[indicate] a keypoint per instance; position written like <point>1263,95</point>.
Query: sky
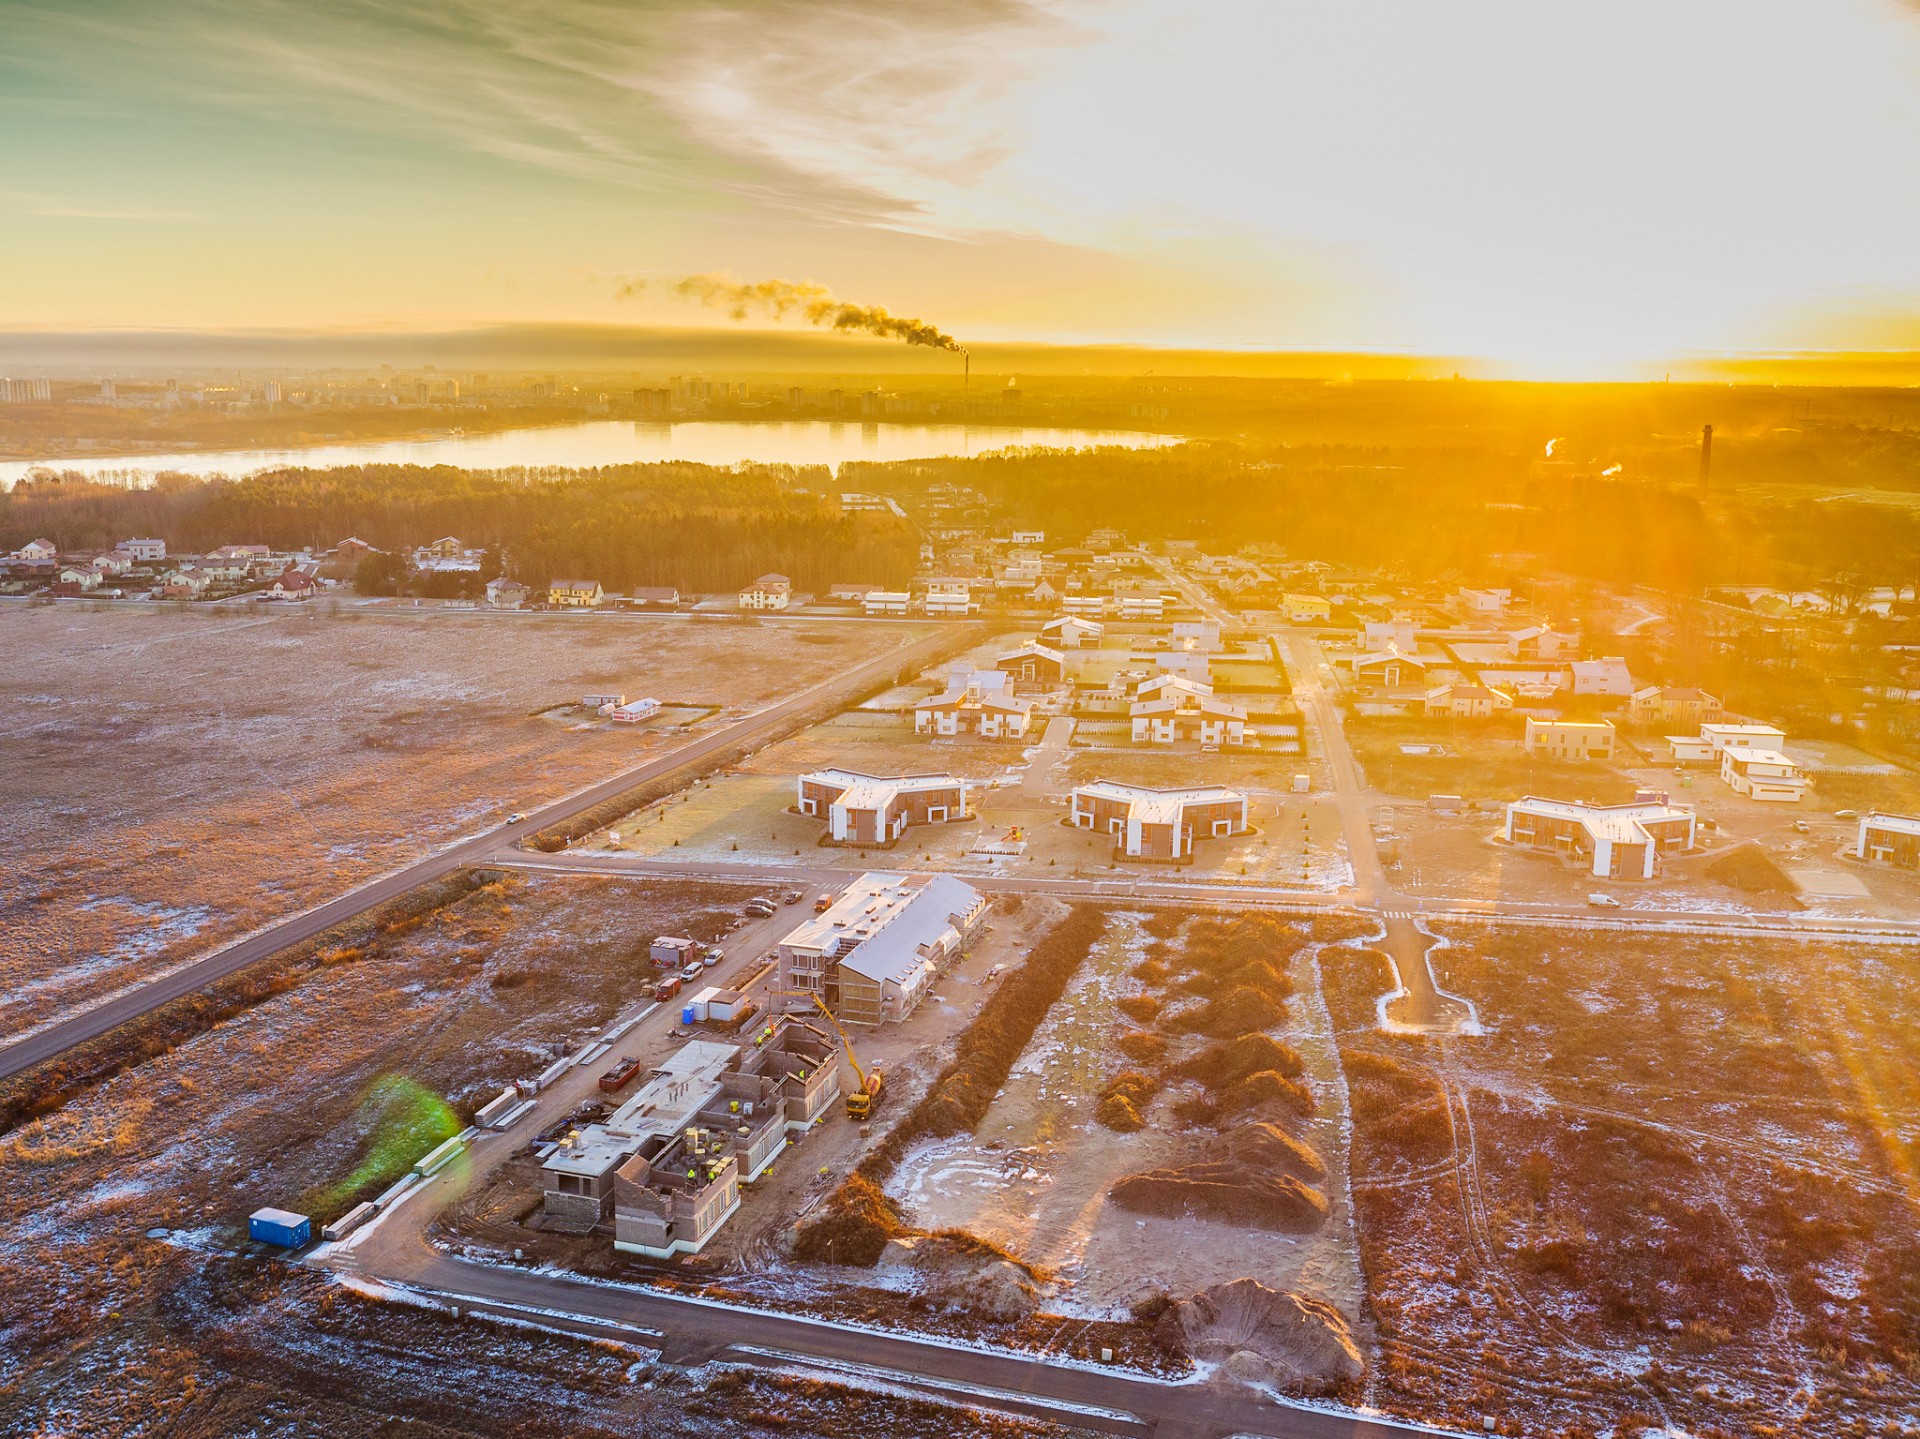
<point>1564,187</point>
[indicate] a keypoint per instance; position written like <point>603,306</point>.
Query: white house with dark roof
<point>1071,632</point>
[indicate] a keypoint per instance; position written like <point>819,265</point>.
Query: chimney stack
<point>1706,457</point>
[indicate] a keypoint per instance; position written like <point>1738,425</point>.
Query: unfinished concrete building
<point>760,1092</point>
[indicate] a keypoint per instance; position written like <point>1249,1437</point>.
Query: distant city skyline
<point>1569,192</point>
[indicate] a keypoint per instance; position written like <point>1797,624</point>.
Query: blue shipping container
<point>280,1226</point>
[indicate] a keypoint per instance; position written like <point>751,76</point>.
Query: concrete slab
<point>1829,883</point>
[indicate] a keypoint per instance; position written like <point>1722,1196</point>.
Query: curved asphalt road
<point>91,1023</point>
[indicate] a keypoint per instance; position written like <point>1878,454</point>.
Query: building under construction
<point>667,1166</point>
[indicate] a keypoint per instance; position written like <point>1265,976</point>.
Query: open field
<point>312,1096</point>
<point>1481,760</point>
<point>1673,1180</point>
<point>176,779</point>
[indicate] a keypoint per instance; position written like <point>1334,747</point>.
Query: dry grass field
<point>177,778</point>
<point>1672,1185</point>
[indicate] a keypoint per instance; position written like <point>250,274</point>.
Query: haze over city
<point>1035,719</point>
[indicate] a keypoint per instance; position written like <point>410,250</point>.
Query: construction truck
<point>861,1100</point>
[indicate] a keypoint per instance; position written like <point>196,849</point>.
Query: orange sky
<point>1566,189</point>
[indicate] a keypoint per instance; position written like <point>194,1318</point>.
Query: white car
<point>1603,901</point>
<point>516,816</point>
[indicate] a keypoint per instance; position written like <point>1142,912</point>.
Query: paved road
<point>90,1024</point>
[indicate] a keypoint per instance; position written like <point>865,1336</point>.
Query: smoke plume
<point>816,303</point>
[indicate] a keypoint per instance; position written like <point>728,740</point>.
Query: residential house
<point>654,596</point>
<point>293,584</point>
<point>1570,739</point>
<point>505,594</point>
<point>634,711</point>
<point>1541,642</point>
<point>1616,841</point>
<point>185,583</point>
<point>1891,839</point>
<point>145,551</point>
<point>1043,593</point>
<point>575,594</point>
<point>1467,701</point>
<point>1033,663</point>
<point>1673,704</point>
<point>865,809</point>
<point>1070,632</point>
<point>1172,708</point>
<point>1084,606</point>
<point>1139,605</point>
<point>80,578</point>
<point>876,952</point>
<point>1387,669</point>
<point>1158,824</point>
<point>887,602</point>
<point>1480,604</point>
<point>948,597</point>
<point>1306,609</point>
<point>1198,636</point>
<point>1602,677</point>
<point>769,592</point>
<point>1389,635</point>
<point>37,552</point>
<point>977,702</point>
<point>1764,774</point>
<point>245,554</point>
<point>1706,747</point>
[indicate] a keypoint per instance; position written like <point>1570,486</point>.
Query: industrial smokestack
<point>1706,457</point>
<point>816,304</point>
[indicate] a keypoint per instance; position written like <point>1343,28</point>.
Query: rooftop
<point>881,920</point>
<point>1159,806</point>
<point>1619,822</point>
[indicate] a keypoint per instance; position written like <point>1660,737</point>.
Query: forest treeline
<point>1426,511</point>
<point>694,527</point>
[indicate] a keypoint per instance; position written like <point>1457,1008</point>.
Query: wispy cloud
<point>60,207</point>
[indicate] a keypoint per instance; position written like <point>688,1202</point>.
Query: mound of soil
<point>1121,1102</point>
<point>1750,869</point>
<point>856,1227</point>
<point>1230,1191</point>
<point>1270,1148</point>
<point>1265,1335</point>
<point>1142,1046</point>
<point>1140,1008</point>
<point>966,1277</point>
<point>1242,1010</point>
<point>1268,1087</point>
<point>1231,1061</point>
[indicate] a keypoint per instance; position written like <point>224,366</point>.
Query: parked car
<point>793,896</point>
<point>667,988</point>
<point>760,908</point>
<point>690,973</point>
<point>1800,826</point>
<point>1846,814</point>
<point>713,957</point>
<point>1603,901</point>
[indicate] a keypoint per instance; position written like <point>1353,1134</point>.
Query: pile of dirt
<point>968,1275</point>
<point>856,1226</point>
<point>1267,1089</point>
<point>1229,1191</point>
<point>1232,1060</point>
<point>1265,1336</point>
<point>1127,1094</point>
<point>1268,1147</point>
<point>1750,869</point>
<point>1142,1046</point>
<point>1241,1010</point>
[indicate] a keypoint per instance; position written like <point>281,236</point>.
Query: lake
<point>619,442</point>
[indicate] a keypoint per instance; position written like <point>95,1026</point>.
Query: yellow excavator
<point>860,1101</point>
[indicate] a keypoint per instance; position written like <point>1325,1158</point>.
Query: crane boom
<point>859,1103</point>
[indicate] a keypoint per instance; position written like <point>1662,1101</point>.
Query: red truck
<point>667,988</point>
<point>623,1070</point>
